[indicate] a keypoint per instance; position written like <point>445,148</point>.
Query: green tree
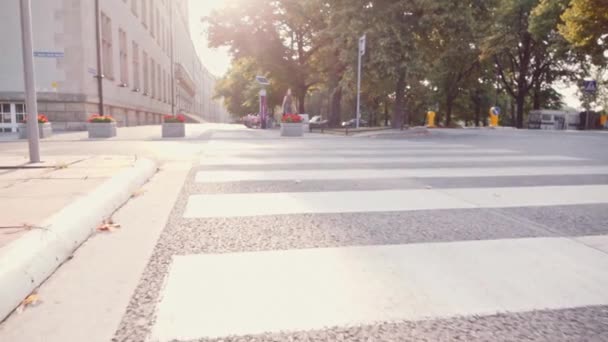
<point>585,26</point>
<point>280,35</point>
<point>240,92</point>
<point>454,37</point>
<point>524,45</point>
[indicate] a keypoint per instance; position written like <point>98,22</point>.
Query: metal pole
<point>99,57</point>
<point>172,58</point>
<point>359,88</point>
<point>30,81</point>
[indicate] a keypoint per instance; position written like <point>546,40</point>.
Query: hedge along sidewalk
<point>50,209</point>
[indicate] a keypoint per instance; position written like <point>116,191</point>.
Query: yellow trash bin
<point>430,119</point>
<point>494,113</point>
<point>603,120</point>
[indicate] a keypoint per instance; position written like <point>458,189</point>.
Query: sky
<point>218,60</point>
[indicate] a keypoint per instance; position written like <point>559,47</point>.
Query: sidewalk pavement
<point>143,133</point>
<point>32,193</point>
<point>50,208</point>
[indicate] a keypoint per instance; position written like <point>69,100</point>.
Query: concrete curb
<point>30,260</point>
<point>412,131</point>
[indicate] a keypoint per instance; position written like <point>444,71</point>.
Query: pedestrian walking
<point>288,103</point>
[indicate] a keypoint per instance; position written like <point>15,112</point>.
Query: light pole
<point>263,82</point>
<point>360,53</point>
<point>30,81</point>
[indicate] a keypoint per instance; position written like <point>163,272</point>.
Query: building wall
<point>67,86</point>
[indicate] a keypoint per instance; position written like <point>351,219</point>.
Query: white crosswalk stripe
<point>255,292</point>
<point>215,176</point>
<point>378,160</point>
<point>392,283</point>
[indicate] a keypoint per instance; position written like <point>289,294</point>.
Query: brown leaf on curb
<point>138,193</point>
<point>108,226</point>
<point>29,301</point>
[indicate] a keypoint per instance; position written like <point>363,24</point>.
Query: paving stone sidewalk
<point>31,193</point>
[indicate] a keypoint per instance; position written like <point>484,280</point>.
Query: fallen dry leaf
<point>138,193</point>
<point>31,300</point>
<point>108,226</point>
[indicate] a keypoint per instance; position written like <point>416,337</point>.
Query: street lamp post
<point>361,52</point>
<point>30,81</point>
<point>263,83</point>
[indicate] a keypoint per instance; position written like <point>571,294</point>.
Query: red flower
<point>41,119</point>
<point>96,118</point>
<point>179,118</point>
<point>291,118</point>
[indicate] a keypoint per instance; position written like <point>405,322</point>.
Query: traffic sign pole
<point>589,87</point>
<point>30,81</point>
<point>361,52</point>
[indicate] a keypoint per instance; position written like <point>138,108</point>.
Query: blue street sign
<point>48,54</point>
<point>590,86</point>
<point>495,110</point>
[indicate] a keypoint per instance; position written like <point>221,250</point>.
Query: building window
<point>134,7</point>
<point>166,87</point>
<point>158,31</point>
<point>152,22</point>
<point>146,85</point>
<point>124,57</point>
<point>163,44</point>
<point>106,46</point>
<point>144,12</point>
<point>153,78</point>
<point>136,84</point>
<point>20,112</point>
<point>159,84</point>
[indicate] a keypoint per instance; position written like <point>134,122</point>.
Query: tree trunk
<point>521,99</point>
<point>399,99</point>
<point>301,99</point>
<point>477,112</point>
<point>449,103</point>
<point>336,107</point>
<point>537,96</point>
<point>386,112</point>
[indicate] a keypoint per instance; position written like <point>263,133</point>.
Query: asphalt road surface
<point>468,235</point>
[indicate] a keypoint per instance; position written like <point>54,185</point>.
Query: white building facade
<point>139,65</point>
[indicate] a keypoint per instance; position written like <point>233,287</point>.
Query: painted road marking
<point>216,295</point>
<point>229,161</point>
<point>457,172</point>
<point>261,204</point>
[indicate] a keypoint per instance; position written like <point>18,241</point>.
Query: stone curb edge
<point>30,260</point>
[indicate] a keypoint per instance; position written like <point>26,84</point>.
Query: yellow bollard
<point>494,113</point>
<point>493,120</point>
<point>430,119</point>
<point>603,120</point>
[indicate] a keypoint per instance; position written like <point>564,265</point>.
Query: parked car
<point>315,119</point>
<point>317,122</point>
<point>353,123</point>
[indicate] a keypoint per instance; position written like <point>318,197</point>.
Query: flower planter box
<point>292,129</point>
<point>101,129</point>
<point>174,129</point>
<point>45,130</point>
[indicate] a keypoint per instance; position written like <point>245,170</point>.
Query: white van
<point>553,119</point>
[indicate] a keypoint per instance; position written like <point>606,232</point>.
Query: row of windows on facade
<point>156,82</point>
<point>151,19</point>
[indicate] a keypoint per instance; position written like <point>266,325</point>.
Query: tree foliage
<point>455,57</point>
<point>585,26</point>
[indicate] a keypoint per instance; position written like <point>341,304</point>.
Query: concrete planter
<point>292,129</point>
<point>174,129</point>
<point>101,129</point>
<point>45,130</point>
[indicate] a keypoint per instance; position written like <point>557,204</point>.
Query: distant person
<point>288,103</point>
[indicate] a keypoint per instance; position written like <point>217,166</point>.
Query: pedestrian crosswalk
<point>322,281</point>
